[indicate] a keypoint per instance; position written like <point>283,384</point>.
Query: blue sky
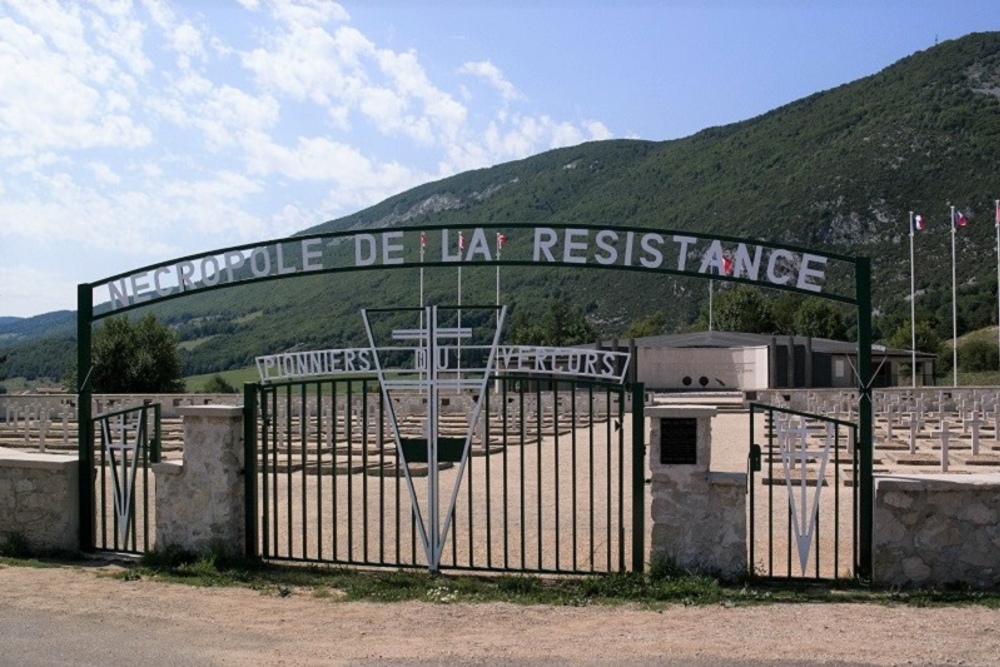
<point>136,132</point>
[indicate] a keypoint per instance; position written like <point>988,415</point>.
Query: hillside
<point>839,170</point>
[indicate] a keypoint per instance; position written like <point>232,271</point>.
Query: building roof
<point>730,339</point>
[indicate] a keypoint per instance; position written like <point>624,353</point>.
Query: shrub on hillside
<point>978,355</point>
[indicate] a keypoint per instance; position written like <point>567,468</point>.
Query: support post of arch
<point>865,418</point>
<point>85,428</point>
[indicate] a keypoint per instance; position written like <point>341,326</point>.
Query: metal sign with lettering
<point>633,249</point>
<point>575,362</point>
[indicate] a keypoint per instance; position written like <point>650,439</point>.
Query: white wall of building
<point>705,368</point>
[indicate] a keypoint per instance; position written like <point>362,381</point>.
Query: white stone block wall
<point>937,529</point>
<point>699,517</point>
<point>200,506</point>
<point>39,500</point>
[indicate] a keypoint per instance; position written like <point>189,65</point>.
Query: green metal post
<point>638,477</point>
<point>865,443</point>
<point>85,428</point>
<point>250,470</point>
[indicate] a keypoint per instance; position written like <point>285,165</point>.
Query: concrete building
<point>720,360</point>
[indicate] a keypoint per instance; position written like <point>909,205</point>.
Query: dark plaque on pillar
<point>678,441</point>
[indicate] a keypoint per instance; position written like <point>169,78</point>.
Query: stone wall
<point>39,500</point>
<point>699,517</point>
<point>200,504</point>
<point>937,529</point>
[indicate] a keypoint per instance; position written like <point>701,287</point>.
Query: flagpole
<point>954,307</point>
<point>458,374</point>
<point>423,242</point>
<point>913,314</point>
<point>496,386</point>
<point>498,270</point>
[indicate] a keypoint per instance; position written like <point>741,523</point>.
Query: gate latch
<point>755,457</point>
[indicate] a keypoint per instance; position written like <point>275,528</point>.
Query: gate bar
<point>638,476</point>
<point>865,443</point>
<point>250,471</point>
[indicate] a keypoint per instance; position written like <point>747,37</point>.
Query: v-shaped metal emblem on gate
<point>123,457</point>
<point>438,356</point>
<point>796,454</point>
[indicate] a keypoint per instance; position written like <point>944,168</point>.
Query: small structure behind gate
<point>804,483</point>
<point>554,482</point>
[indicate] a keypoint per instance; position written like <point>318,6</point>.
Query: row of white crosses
<point>38,421</point>
<point>918,410</point>
<point>35,420</point>
<point>334,417</point>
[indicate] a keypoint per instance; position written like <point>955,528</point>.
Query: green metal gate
<point>123,487</point>
<point>554,481</point>
<point>804,492</point>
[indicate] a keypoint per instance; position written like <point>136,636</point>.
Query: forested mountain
<point>839,170</point>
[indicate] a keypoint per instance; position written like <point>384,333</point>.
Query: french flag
<point>918,223</point>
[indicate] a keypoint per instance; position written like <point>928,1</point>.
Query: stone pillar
<point>200,505</point>
<point>699,516</point>
<point>40,500</point>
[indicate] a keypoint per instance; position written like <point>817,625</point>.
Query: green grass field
<point>237,378</point>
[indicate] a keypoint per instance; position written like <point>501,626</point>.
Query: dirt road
<point>77,616</point>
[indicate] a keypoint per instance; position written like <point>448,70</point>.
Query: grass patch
<point>654,589</point>
<point>195,343</point>
<point>234,377</point>
<point>662,585</point>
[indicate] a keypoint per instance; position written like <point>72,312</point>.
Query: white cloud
<point>84,102</point>
<point>188,43</point>
<point>104,173</point>
<point>161,131</point>
<point>492,74</point>
<point>307,12</point>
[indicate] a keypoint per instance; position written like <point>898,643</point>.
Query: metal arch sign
<point>580,246</point>
<point>656,251</point>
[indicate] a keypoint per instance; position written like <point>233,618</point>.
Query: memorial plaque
<point>679,441</point>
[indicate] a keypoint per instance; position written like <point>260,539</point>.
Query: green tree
<point>135,357</point>
<point>927,338</point>
<point>650,325</point>
<point>3,360</point>
<point>525,330</point>
<point>744,309</point>
<point>820,319</point>
<point>784,308</point>
<point>560,326</point>
<point>218,385</point>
